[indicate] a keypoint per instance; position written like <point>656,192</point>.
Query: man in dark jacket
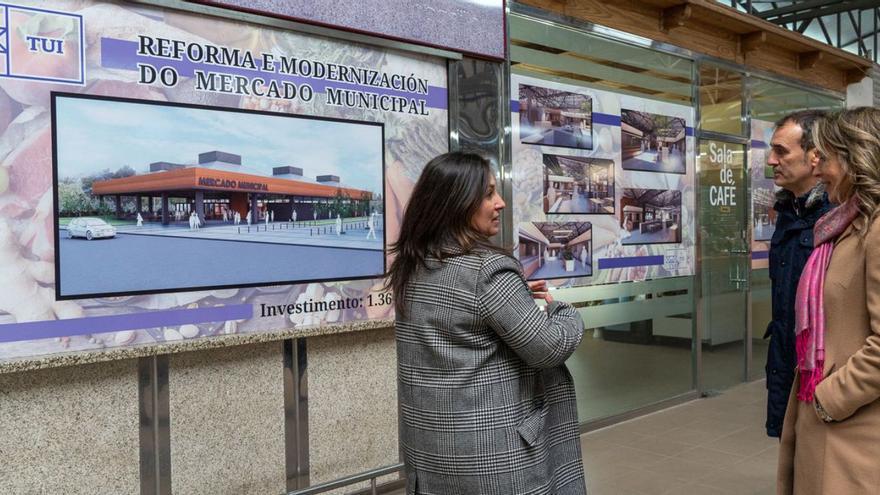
<point>799,204</point>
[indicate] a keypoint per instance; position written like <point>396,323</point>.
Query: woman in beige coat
<point>831,434</point>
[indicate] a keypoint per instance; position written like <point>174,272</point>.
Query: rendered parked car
<point>90,228</point>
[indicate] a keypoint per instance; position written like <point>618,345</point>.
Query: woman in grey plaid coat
<point>487,406</point>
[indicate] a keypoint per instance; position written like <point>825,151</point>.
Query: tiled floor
<point>709,446</point>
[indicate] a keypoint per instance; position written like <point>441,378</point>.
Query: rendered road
<point>129,263</point>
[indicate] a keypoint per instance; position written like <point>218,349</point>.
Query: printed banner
<point>602,184</point>
<point>168,176</point>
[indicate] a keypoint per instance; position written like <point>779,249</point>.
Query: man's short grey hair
<point>805,119</point>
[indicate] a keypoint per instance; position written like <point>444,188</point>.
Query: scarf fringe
<point>809,379</point>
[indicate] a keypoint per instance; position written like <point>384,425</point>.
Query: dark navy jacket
<point>790,247</point>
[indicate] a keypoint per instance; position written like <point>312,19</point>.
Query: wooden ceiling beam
<point>853,76</point>
<point>751,42</point>
<point>808,60</point>
<point>708,27</point>
<point>675,17</point>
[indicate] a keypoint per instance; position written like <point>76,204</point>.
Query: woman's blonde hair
<point>853,136</point>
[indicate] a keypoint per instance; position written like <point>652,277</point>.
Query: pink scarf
<point>809,303</point>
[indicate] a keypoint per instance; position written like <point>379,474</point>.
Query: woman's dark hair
<point>437,219</point>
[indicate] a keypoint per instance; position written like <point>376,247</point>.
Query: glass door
<point>725,262</point>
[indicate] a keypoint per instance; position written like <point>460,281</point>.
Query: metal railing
<point>350,480</point>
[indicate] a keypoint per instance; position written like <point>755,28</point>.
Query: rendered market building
<point>219,184</point>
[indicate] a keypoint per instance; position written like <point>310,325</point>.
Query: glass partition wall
<point>639,350</point>
<point>769,101</point>
<point>723,236</point>
<point>638,347</point>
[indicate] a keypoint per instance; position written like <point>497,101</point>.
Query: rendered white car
<point>90,228</point>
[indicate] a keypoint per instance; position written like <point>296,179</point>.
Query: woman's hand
<point>539,290</point>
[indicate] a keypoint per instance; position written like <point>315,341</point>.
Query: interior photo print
<point>763,214</point>
<point>550,250</point>
<point>574,184</point>
<point>156,197</point>
<point>552,117</point>
<point>651,216</point>
<point>652,143</point>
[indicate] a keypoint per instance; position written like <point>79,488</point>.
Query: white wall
<point>861,94</point>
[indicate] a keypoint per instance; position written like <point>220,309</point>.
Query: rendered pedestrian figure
<point>248,217</point>
<point>272,216</point>
<point>338,224</point>
<point>198,220</point>
<point>293,216</point>
<point>140,220</point>
<point>584,256</point>
<point>236,218</point>
<point>372,226</point>
<point>192,222</point>
<point>267,218</point>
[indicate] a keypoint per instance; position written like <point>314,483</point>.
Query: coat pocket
<point>829,368</point>
<point>532,427</point>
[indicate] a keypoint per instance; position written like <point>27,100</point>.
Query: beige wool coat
<point>841,458</point>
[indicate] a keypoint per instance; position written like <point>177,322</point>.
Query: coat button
<point>773,371</point>
<point>782,263</point>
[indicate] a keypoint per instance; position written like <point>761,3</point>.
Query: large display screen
<point>160,197</point>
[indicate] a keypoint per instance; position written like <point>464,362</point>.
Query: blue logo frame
<point>7,53</point>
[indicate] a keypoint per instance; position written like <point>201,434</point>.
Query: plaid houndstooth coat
<point>487,406</point>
